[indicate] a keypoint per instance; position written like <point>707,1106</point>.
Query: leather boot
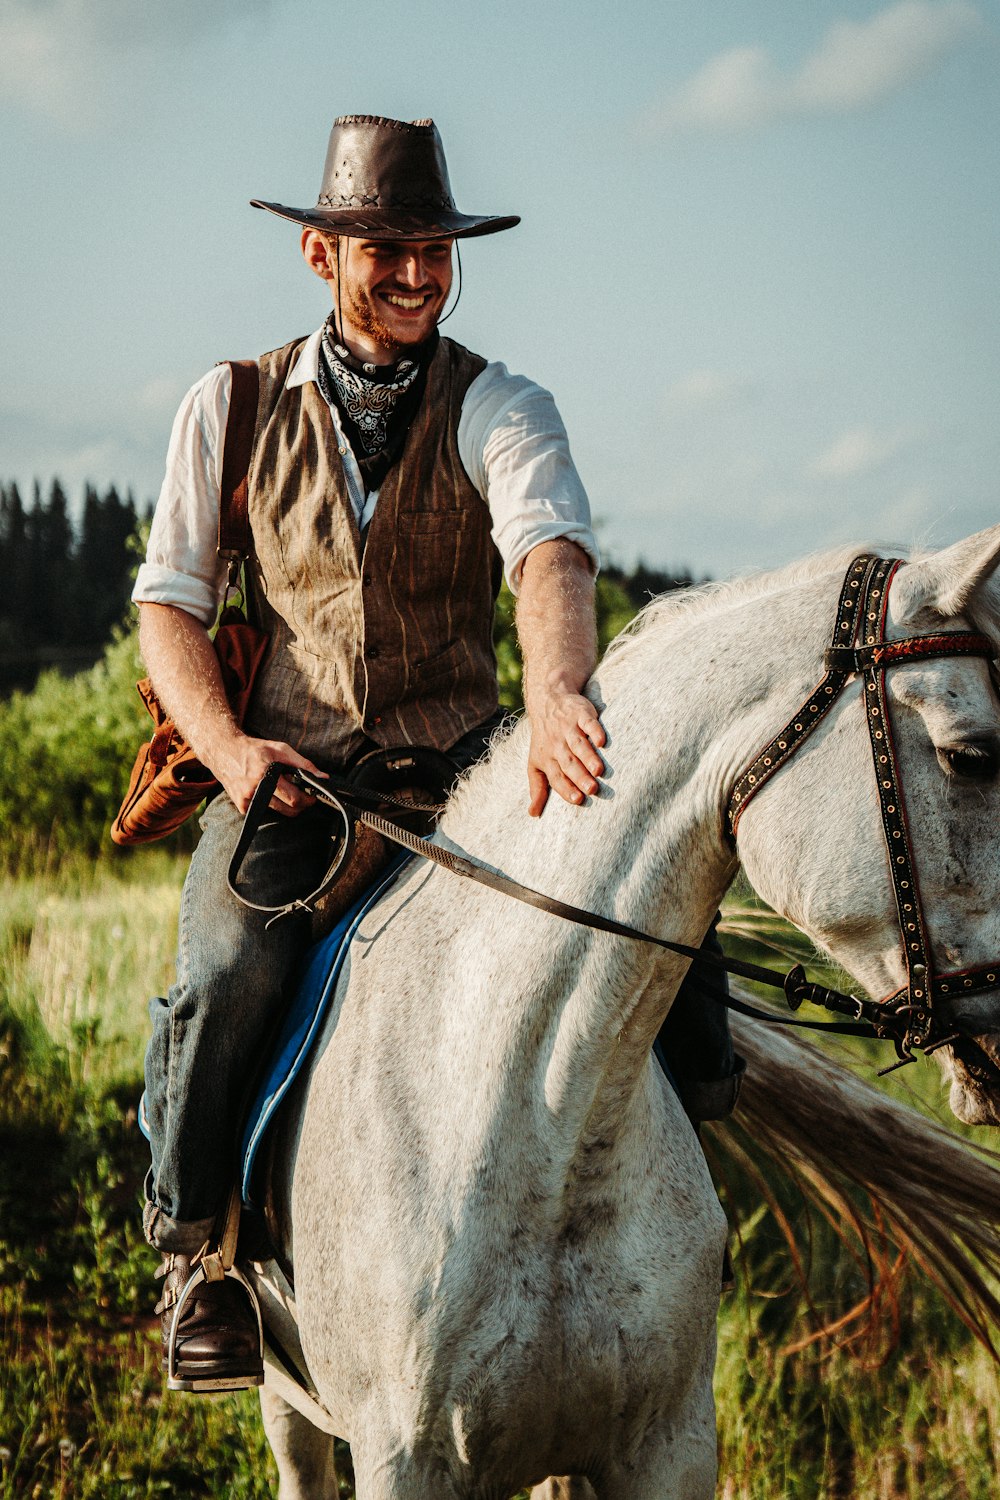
<point>217,1347</point>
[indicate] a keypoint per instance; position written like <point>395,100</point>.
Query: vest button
<point>372,653</point>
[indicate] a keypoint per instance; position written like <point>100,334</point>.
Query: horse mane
<point>714,596</point>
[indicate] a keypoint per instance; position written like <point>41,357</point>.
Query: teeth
<point>405,301</point>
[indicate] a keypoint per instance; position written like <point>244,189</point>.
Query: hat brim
<point>392,223</point>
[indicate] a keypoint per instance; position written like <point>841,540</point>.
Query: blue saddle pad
<point>302,1022</point>
<point>320,972</point>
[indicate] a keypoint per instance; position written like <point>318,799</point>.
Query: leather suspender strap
<point>234,512</point>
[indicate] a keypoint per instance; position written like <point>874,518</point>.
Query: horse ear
<point>947,582</point>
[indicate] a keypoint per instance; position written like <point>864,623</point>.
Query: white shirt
<point>511,441</point>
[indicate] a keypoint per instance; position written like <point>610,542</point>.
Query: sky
<point>757,263</point>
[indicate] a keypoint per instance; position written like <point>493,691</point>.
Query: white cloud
<point>857,64</point>
<point>860,450</point>
<point>56,55</point>
<point>161,395</point>
<point>704,390</point>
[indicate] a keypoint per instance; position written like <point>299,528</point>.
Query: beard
<point>366,319</point>
<point>364,315</point>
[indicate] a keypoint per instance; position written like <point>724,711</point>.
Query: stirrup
<point>216,1266</point>
<point>177,1382</point>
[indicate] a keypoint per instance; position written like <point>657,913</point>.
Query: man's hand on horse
<point>565,734</point>
<point>245,763</point>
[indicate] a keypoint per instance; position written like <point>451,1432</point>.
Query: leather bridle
<point>859,648</point>
<point>907,1017</point>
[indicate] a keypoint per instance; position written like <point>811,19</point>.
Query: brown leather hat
<point>387,180</point>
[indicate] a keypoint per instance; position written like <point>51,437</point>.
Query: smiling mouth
<point>409,304</point>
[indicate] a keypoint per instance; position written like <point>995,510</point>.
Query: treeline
<point>65,583</point>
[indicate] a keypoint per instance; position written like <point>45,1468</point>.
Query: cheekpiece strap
<point>812,712</point>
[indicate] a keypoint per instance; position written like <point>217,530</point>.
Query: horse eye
<point>973,761</point>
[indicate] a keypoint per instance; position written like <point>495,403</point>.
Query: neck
<point>367,350</point>
<point>371,351</point>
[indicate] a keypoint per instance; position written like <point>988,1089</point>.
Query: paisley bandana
<point>376,403</point>
<point>368,395</point>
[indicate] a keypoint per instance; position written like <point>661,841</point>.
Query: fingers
<point>590,724</point>
<point>290,757</point>
<point>568,785</point>
<point>564,755</point>
<point>538,791</point>
<point>581,753</point>
<point>571,770</point>
<point>290,800</point>
<point>254,759</point>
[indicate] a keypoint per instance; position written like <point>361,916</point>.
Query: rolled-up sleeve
<point>514,448</point>
<point>182,566</point>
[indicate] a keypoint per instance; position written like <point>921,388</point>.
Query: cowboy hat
<point>387,180</point>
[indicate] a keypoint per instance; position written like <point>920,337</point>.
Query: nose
<point>412,270</point>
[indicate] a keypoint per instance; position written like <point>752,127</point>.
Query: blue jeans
<point>234,979</point>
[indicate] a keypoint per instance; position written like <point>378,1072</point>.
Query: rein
<point>353,804</point>
<point>906,1017</point>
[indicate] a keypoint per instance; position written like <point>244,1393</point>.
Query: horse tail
<point>894,1185</point>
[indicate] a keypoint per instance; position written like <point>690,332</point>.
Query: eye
<point>974,760</point>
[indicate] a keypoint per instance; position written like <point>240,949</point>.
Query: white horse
<point>506,1242</point>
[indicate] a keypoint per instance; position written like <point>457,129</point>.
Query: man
<point>393,471</point>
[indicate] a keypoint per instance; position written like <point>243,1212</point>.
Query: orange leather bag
<point>168,781</point>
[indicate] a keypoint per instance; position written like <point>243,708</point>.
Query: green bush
<point>66,749</point>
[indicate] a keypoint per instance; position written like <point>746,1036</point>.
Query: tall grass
<point>913,1412</point>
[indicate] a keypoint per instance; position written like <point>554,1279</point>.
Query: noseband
<point>859,648</point>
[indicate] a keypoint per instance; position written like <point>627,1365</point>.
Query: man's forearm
<point>556,623</point>
<point>558,634</point>
<point>184,670</point>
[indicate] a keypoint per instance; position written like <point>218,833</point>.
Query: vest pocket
<point>440,663</point>
<point>433,523</point>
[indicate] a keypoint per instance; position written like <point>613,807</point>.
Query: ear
<point>947,583</point>
<point>318,254</point>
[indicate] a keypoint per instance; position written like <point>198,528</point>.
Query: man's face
<point>394,292</point>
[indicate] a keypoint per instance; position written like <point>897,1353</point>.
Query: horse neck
<point>685,705</point>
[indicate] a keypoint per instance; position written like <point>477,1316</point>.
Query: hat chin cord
<point>340,311</point>
<point>458,295</point>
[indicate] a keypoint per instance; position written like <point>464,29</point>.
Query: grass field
<point>913,1412</point>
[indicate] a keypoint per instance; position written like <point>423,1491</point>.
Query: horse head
<point>944,718</point>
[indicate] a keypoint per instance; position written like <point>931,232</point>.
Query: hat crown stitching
<point>407,125</point>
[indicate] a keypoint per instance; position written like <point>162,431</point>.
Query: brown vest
<point>391,642</point>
